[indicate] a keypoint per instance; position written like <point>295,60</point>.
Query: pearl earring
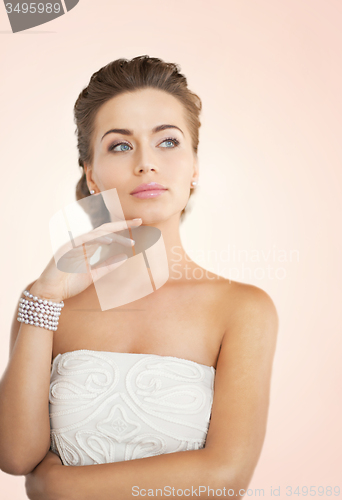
<point>92,191</point>
<point>194,183</point>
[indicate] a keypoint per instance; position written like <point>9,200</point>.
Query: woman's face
<point>138,153</point>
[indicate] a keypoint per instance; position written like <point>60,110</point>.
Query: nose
<point>144,168</point>
<point>145,161</point>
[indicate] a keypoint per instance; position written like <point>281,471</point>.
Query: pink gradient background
<point>269,75</point>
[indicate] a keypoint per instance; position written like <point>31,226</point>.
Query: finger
<point>104,239</point>
<point>105,229</point>
<point>110,238</point>
<point>128,242</point>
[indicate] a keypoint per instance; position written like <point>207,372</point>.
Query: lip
<point>151,186</point>
<point>149,193</point>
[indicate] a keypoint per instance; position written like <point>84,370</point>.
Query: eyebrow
<point>125,131</point>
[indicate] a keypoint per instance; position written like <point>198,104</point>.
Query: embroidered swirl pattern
<point>109,407</point>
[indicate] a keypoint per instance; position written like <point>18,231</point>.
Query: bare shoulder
<point>15,323</point>
<point>239,304</point>
<point>248,297</point>
<point>246,306</point>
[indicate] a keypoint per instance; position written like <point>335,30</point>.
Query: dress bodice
<point>110,407</point>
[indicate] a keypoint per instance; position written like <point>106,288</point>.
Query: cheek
<point>109,175</point>
<point>179,167</point>
<point>180,183</point>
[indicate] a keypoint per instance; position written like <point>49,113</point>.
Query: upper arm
<point>16,324</point>
<point>242,385</point>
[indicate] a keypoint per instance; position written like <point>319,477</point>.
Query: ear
<point>195,174</point>
<point>88,172</point>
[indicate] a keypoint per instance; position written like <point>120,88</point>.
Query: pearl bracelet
<point>39,312</point>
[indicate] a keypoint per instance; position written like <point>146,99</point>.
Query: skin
<point>214,321</point>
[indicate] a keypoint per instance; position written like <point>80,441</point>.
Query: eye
<point>113,146</point>
<point>170,140</point>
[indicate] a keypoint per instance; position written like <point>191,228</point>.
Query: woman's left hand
<point>38,483</point>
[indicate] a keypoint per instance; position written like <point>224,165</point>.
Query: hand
<point>38,481</point>
<point>58,285</point>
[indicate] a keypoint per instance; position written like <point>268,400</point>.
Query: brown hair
<point>121,76</point>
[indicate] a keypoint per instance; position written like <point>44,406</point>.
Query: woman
<point>137,125</point>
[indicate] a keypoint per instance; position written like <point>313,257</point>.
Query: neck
<point>178,260</point>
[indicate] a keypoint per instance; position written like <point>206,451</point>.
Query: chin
<point>152,211</point>
<point>148,216</point>
<point>148,219</point>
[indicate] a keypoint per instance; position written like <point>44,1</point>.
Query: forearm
<point>185,470</point>
<point>24,401</point>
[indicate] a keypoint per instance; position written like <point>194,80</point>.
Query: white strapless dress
<point>110,407</point>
